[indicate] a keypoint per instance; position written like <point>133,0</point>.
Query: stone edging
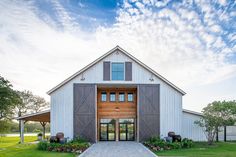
<point>148,150</point>
<point>81,155</point>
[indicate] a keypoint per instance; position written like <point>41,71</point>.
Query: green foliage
<point>187,143</point>
<point>78,140</point>
<point>157,144</point>
<point>8,99</point>
<point>215,115</point>
<point>7,126</point>
<point>36,130</point>
<point>77,145</point>
<point>4,126</point>
<point>43,145</point>
<point>40,134</point>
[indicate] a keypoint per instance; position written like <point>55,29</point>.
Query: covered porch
<point>43,117</point>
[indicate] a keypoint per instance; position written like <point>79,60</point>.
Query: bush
<point>43,145</point>
<point>157,144</point>
<point>77,145</point>
<point>187,143</point>
<point>40,134</point>
<point>78,140</point>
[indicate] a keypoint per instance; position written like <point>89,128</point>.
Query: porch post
<point>44,130</point>
<point>22,124</point>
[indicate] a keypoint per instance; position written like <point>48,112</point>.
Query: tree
<point>4,126</point>
<point>24,106</point>
<point>8,99</point>
<point>39,103</point>
<point>215,115</point>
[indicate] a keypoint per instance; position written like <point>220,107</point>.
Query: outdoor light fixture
<point>117,109</point>
<point>151,78</point>
<point>82,77</point>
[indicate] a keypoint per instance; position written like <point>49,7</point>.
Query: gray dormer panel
<point>106,71</point>
<point>128,71</point>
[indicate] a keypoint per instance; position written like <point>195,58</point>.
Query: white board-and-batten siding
<point>191,130</point>
<point>62,98</point>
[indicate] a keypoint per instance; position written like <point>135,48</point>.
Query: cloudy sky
<point>191,43</point>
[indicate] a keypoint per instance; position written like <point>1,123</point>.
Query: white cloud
<point>36,55</point>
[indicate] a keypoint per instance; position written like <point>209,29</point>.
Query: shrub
<point>43,145</point>
<point>40,134</point>
<point>78,140</point>
<point>76,146</point>
<point>187,143</point>
<point>157,144</point>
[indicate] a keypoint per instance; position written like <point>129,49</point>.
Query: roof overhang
<point>107,54</point>
<point>192,112</point>
<point>43,116</point>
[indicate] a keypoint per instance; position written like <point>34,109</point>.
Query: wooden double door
<point>117,129</point>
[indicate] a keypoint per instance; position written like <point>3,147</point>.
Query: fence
<point>227,133</point>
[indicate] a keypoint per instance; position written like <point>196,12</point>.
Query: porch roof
<point>43,116</point>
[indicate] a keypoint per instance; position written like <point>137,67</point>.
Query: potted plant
<point>40,136</point>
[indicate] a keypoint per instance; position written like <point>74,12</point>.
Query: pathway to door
<point>118,149</point>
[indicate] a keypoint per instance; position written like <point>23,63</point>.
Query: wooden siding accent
<point>106,71</point>
<point>84,111</point>
<point>149,111</point>
<point>128,71</point>
<point>116,109</point>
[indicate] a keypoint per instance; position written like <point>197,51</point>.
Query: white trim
<point>192,112</point>
<point>107,54</point>
<point>96,114</point>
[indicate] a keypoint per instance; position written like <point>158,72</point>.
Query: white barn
<point>117,98</point>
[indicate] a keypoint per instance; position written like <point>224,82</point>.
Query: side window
<point>104,96</point>
<point>130,97</point>
<point>121,97</point>
<point>112,96</point>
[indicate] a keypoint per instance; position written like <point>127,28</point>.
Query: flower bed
<point>75,146</point>
<point>157,144</point>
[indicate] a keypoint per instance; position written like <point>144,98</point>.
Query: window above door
<point>117,71</point>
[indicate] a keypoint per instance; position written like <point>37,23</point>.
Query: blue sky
<point>190,42</point>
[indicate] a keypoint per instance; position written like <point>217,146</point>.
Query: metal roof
<point>193,112</point>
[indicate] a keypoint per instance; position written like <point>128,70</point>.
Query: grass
<point>202,149</point>
<point>9,147</point>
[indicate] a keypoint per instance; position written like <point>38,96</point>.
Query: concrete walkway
<point>117,149</point>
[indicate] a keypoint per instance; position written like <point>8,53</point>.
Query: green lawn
<point>219,149</point>
<point>9,147</point>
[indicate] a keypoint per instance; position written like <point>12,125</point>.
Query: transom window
<point>117,72</point>
<point>113,96</point>
<point>104,96</point>
<point>130,97</point>
<point>122,97</point>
